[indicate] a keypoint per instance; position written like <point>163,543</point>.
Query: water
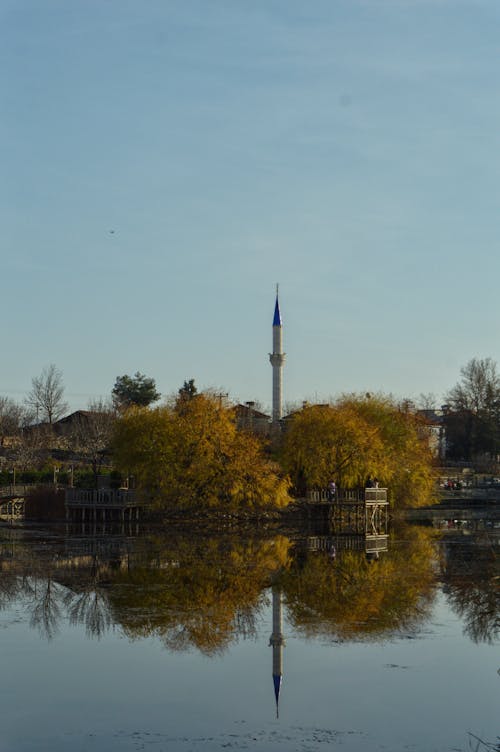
<point>161,641</point>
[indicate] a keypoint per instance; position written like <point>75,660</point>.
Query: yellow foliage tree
<point>325,442</point>
<point>190,454</point>
<point>408,471</point>
<point>357,437</point>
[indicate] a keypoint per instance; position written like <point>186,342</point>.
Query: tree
<point>190,455</point>
<point>11,418</point>
<point>33,448</point>
<point>188,390</point>
<point>91,433</point>
<point>472,419</point>
<point>479,388</point>
<point>47,395</point>
<point>138,390</point>
<point>408,465</point>
<point>357,437</point>
<point>327,441</point>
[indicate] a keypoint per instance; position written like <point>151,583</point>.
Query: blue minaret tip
<point>277,314</point>
<point>277,679</point>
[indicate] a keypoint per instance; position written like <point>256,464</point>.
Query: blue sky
<point>166,162</point>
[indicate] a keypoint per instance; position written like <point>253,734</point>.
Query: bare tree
<point>32,449</point>
<point>473,416</point>
<point>91,433</point>
<point>11,418</point>
<point>479,388</point>
<point>47,395</point>
<point>427,401</point>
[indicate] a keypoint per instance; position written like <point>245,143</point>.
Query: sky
<point>166,162</point>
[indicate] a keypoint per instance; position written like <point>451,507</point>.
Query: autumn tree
<point>407,469</point>
<point>46,397</point>
<point>190,454</point>
<point>137,390</point>
<point>357,437</point>
<point>325,442</point>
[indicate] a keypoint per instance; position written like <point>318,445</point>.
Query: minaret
<point>277,642</point>
<point>277,358</point>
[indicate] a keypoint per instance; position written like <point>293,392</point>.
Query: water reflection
<point>471,576</point>
<point>277,642</point>
<point>208,591</point>
<point>342,594</point>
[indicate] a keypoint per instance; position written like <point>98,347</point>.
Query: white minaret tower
<point>277,358</point>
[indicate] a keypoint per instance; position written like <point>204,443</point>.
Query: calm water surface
<point>162,641</point>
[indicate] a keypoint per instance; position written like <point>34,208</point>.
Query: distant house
<point>433,425</point>
<point>67,425</point>
<point>248,418</point>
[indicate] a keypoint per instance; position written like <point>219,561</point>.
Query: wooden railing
<point>18,491</point>
<point>375,494</point>
<point>355,495</point>
<point>121,497</point>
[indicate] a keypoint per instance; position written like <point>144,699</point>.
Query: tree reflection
<point>203,593</point>
<point>53,587</point>
<point>207,591</point>
<point>30,579</point>
<point>187,591</point>
<point>471,574</point>
<point>46,606</point>
<point>353,596</point>
<point>89,606</point>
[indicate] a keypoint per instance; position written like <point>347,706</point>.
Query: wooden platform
<point>356,511</point>
<point>105,505</point>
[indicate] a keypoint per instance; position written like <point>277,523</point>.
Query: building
<point>248,418</point>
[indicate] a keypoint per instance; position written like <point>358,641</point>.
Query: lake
<point>281,640</point>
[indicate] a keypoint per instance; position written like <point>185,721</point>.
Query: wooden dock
<point>102,505</point>
<point>363,511</point>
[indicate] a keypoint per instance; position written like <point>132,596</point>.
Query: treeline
<point>39,445</point>
<point>205,591</point>
<point>190,453</point>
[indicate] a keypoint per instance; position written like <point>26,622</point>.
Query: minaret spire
<point>277,358</point>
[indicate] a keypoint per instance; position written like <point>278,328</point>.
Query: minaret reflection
<point>277,642</point>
